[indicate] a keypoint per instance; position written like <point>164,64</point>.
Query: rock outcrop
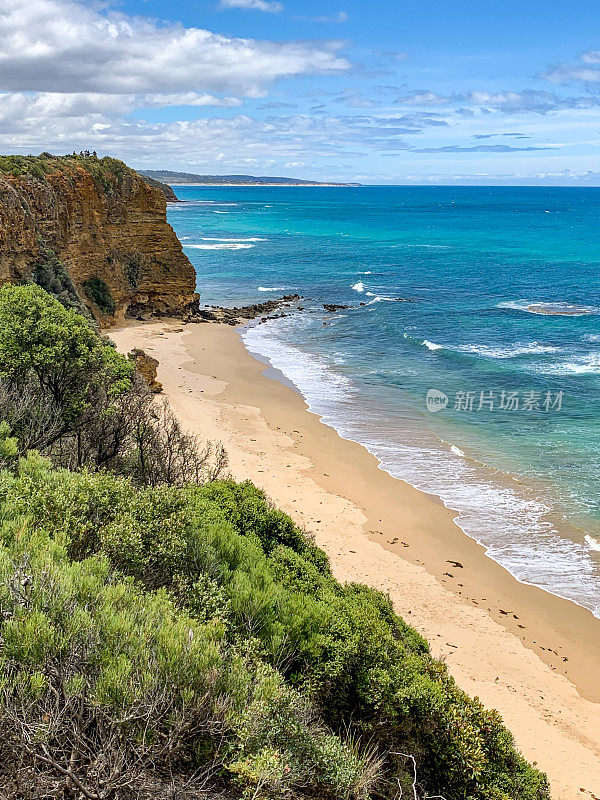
<point>148,369</point>
<point>167,190</point>
<point>99,224</point>
<point>240,314</point>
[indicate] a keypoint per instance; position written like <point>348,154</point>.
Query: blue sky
<point>380,92</point>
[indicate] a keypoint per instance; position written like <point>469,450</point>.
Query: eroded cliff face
<point>106,226</point>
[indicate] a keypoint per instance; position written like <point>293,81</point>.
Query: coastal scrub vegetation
<point>166,633</point>
<point>66,392</point>
<point>106,171</point>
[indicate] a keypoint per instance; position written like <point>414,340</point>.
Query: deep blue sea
<point>498,320</point>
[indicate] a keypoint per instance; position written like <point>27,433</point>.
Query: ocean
<point>468,360</point>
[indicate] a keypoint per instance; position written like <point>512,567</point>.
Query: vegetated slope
<point>168,192</point>
<point>93,232</point>
<point>161,640</point>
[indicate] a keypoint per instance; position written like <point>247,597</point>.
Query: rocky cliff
<point>93,231</point>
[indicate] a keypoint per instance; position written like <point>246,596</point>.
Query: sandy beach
<point>529,654</point>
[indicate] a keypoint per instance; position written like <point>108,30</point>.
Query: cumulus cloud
<point>40,106</point>
<point>270,6</point>
<point>25,128</point>
<point>64,46</point>
<point>584,71</point>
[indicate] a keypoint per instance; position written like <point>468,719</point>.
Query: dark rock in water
<point>403,300</point>
<point>239,315</point>
<point>334,307</point>
<point>362,304</point>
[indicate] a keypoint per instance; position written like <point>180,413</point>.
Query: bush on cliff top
<point>107,171</point>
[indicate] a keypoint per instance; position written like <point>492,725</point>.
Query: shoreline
<point>520,649</point>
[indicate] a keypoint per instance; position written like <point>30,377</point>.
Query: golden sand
<point>533,656</point>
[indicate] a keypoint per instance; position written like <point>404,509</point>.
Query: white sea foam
<point>271,288</point>
<point>510,351</point>
<point>221,246</point>
<point>489,351</point>
<point>214,211</point>
<point>368,272</point>
<point>359,287</point>
<point>310,373</point>
<point>456,450</point>
<point>511,522</point>
<point>578,365</point>
<point>207,203</point>
<point>591,337</point>
<point>592,542</point>
<point>378,298</point>
<point>249,239</point>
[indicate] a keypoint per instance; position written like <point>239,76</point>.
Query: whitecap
<point>510,351</point>
<point>432,345</point>
<point>220,246</point>
<point>580,365</point>
<point>216,239</point>
<point>271,288</point>
<point>378,298</point>
<point>591,337</point>
<point>359,287</point>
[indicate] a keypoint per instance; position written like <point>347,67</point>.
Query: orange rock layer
<point>107,227</point>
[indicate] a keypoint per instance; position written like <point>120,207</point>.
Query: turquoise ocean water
<point>503,321</point>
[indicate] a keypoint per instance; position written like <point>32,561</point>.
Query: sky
<point>374,91</point>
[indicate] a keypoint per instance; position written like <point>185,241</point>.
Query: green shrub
<point>148,696</point>
<point>52,276</point>
<point>67,392</point>
<point>98,292</point>
<point>225,557</point>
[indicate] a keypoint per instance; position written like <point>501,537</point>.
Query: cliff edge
<point>94,232</point>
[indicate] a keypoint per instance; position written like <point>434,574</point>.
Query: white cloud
<point>527,101</point>
<point>581,72</point>
<point>183,99</point>
<point>270,6</point>
<point>64,46</point>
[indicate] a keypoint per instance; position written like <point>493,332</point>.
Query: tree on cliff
<point>68,393</point>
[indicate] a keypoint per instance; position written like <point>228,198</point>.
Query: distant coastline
<point>190,179</point>
<point>271,185</point>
